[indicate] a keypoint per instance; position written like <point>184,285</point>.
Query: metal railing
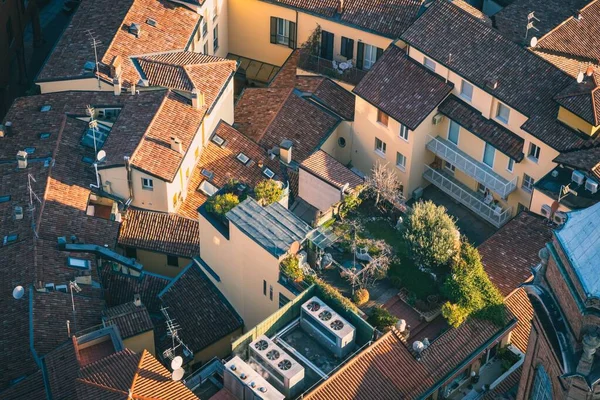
<point>478,171</point>
<point>494,215</point>
<point>322,66</point>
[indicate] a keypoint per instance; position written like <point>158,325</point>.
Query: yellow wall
<point>539,199</point>
<point>575,122</point>
<point>140,342</point>
<point>331,145</point>
<point>74,84</point>
<point>157,263</point>
<point>221,348</point>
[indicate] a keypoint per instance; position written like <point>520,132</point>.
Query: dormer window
<point>243,158</point>
<point>208,174</point>
<point>219,141</point>
<point>268,173</point>
<point>429,63</point>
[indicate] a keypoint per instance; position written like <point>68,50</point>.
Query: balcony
<point>493,214</point>
<point>483,174</point>
<point>322,66</point>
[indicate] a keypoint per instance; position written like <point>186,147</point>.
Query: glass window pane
<point>453,132</point>
<point>466,90</point>
<point>488,155</point>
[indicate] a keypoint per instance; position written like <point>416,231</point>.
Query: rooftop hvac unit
<point>578,177</point>
<point>281,370</point>
<point>560,217</point>
<point>546,210</point>
<point>591,185</point>
<point>246,384</point>
<point>330,329</point>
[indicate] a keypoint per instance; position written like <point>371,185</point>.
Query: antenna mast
<point>32,196</point>
<point>93,124</point>
<point>95,43</point>
<point>173,332</point>
<point>530,18</point>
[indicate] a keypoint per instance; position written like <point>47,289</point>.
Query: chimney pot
<point>590,70</point>
<point>22,159</point>
<point>285,151</point>
<point>137,300</point>
<point>117,86</point>
<point>176,144</point>
<point>133,89</point>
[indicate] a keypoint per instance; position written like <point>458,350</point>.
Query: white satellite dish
<point>176,363</point>
<point>533,42</point>
<point>101,156</point>
<point>18,292</point>
<point>580,77</point>
<point>177,374</point>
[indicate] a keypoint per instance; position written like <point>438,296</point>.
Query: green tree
<point>221,204</point>
<point>431,236</point>
<point>268,192</point>
<point>350,203</point>
<point>381,319</point>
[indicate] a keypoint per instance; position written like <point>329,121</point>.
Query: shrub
<point>350,203</point>
<point>361,296</point>
<point>381,319</point>
<point>291,268</point>
<point>431,236</point>
<point>328,293</point>
<point>507,358</point>
<point>268,192</point>
<point>221,204</point>
<point>470,292</point>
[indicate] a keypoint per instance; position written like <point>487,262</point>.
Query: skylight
<point>87,160</point>
<point>45,135</point>
<point>101,134</point>
<point>78,263</point>
<point>208,174</point>
<point>207,188</point>
<point>218,140</point>
<point>268,173</point>
<point>29,150</point>
<point>243,158</point>
<point>151,22</point>
<point>4,199</point>
<point>10,238</point>
<point>46,108</point>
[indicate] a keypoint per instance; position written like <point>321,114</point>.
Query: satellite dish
<point>18,292</point>
<point>101,156</point>
<point>176,363</point>
<point>580,77</point>
<point>533,42</point>
<point>177,374</point>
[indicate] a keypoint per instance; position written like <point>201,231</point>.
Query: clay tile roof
<point>480,54</point>
<point>268,116</point>
<point>518,303</point>
<point>473,11</point>
<point>402,88</point>
<point>31,387</point>
<point>62,368</point>
<point>509,254</point>
<point>222,161</point>
<point>488,130</point>
<point>330,170</point>
<point>506,389</point>
<point>161,232</point>
<point>588,160</point>
<point>204,314</point>
<point>582,99</point>
<point>109,23</point>
<point>129,318</point>
<point>511,21</point>
<point>186,71</point>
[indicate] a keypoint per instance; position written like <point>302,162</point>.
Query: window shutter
<point>379,53</point>
<point>273,30</point>
<point>343,46</point>
<point>292,43</point>
<point>360,55</point>
<point>349,49</point>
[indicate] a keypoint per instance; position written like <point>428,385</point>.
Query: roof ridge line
<point>154,118</point>
<point>565,21</point>
<point>137,371</point>
<point>98,385</point>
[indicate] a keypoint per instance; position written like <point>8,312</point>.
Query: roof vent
<point>554,173</point>
<point>151,22</point>
<point>135,29</point>
<point>22,159</point>
<point>492,84</point>
<point>46,108</point>
<point>137,300</point>
<point>18,212</point>
<point>591,185</point>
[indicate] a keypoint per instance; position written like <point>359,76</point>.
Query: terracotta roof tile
<point>507,389</point>
<point>161,232</point>
<point>402,88</point>
<point>31,387</point>
<point>509,254</point>
<point>129,318</point>
<point>62,368</point>
<point>582,99</point>
<point>330,170</point>
<point>518,303</point>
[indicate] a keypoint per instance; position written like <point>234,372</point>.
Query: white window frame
<point>244,159</point>
<point>485,147</point>
<point>380,150</point>
<point>403,133</point>
<point>527,183</point>
<point>510,166</point>
<point>402,165</point>
<point>207,188</point>
<point>283,31</point>
<point>79,263</point>
<point>463,94</point>
<point>536,150</point>
<point>268,173</point>
<point>499,117</point>
<point>370,56</point>
<point>429,64</point>
<point>147,184</point>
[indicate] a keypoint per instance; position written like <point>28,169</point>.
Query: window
<point>542,386</point>
<point>78,263</point>
<point>382,117</point>
<point>511,165</point>
<point>130,252</point>
<point>342,142</point>
<point>9,32</point>
<point>347,48</point>
<point>521,207</point>
<point>204,27</point>
<point>401,161</point>
<point>147,184</point>
<point>4,199</point>
<point>265,288</point>
<point>99,135</point>
<point>429,63</point>
<point>205,49</point>
<point>268,173</point>
<point>45,135</point>
<point>215,38</point>
<point>528,182</point>
<point>208,174</point>
<point>449,167</point>
<point>466,91</point>
<point>453,132</point>
<point>283,32</point>
<point>502,113</point>
<point>271,292</point>
<point>243,158</point>
<point>534,152</point>
<point>11,238</point>
<point>218,140</point>
<point>488,155</point>
<point>283,300</point>
<point>380,147</point>
<point>366,55</point>
<point>172,261</point>
<point>327,45</point>
<point>370,56</point>
<point>207,188</point>
<point>403,132</point>
<point>481,188</point>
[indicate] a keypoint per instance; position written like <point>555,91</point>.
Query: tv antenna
<point>173,332</point>
<point>530,18</point>
<point>93,124</point>
<point>95,44</point>
<point>32,196</point>
<point>74,286</point>
<point>565,190</point>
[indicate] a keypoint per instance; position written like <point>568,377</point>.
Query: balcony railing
<point>475,169</point>
<point>495,215</point>
<point>322,66</point>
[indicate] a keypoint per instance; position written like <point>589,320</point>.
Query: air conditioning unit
<point>437,119</point>
<point>560,217</point>
<point>591,185</point>
<point>417,193</point>
<point>546,210</point>
<point>328,327</point>
<point>246,384</point>
<point>578,177</point>
<point>275,365</point>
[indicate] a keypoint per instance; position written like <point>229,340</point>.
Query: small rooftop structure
<point>330,170</point>
<point>562,177</point>
<point>131,319</point>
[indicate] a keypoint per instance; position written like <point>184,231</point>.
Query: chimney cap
<point>286,144</point>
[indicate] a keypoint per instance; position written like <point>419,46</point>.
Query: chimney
<point>197,99</point>
<point>3,131</point>
<point>117,86</point>
<point>590,344</point>
<point>22,159</point>
<point>285,151</point>
<point>589,71</point>
<point>115,67</point>
<point>340,8</point>
<point>176,144</point>
<point>132,88</point>
<point>137,300</point>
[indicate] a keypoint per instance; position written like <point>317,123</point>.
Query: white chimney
<point>117,86</point>
<point>176,144</point>
<point>137,300</point>
<point>285,151</point>
<point>22,159</point>
<point>198,100</point>
<point>132,89</point>
<point>340,6</point>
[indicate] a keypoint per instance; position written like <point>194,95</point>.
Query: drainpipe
<point>296,44</point>
<point>129,182</point>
